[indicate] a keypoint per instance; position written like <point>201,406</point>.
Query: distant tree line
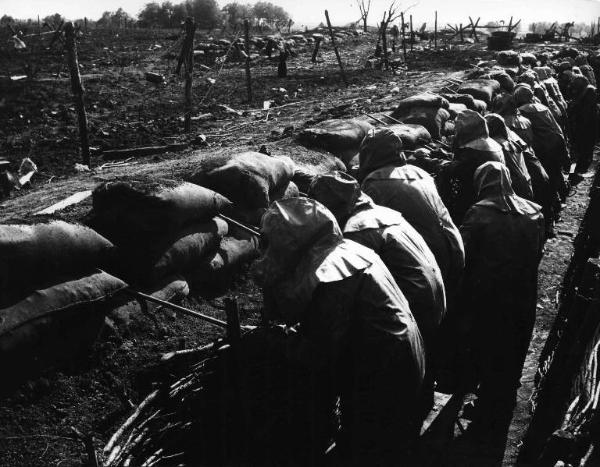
<point>206,13</point>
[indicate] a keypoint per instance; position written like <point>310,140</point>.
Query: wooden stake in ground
<point>78,91</point>
<point>337,53</point>
<point>247,46</point>
<point>412,34</point>
<point>403,38</point>
<point>190,30</point>
<point>316,49</point>
<point>384,43</point>
<point>435,31</point>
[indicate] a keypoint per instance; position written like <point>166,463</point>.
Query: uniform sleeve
<point>470,231</point>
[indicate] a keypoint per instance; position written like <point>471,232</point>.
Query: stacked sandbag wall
<point>565,425</point>
<point>53,294</point>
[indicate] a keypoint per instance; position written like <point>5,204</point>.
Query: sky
<point>310,12</point>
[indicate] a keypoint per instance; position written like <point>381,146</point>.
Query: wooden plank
<point>71,200</point>
<point>439,402</point>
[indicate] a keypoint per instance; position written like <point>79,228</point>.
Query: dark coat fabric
<point>583,122</point>
<point>409,259</point>
<point>412,192</point>
<point>503,244</point>
<point>455,181</point>
<point>549,144</point>
<point>379,373</point>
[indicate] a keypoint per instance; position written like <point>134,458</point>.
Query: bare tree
<point>364,12</point>
<point>390,15</point>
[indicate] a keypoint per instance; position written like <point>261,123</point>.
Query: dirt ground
<point>37,120</point>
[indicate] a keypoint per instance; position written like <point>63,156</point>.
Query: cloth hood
<point>368,215</point>
<point>494,190</point>
<point>523,94</point>
<point>505,104</point>
<point>469,126</point>
<point>543,72</point>
<point>337,191</point>
<point>381,147</point>
<point>528,77</point>
<point>578,85</point>
<point>496,126</point>
<point>304,248</point>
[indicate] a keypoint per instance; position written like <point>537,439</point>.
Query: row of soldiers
<point>397,281</point>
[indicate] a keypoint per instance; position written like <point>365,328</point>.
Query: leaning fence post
<point>435,31</point>
<point>190,30</point>
<point>78,90</point>
<point>247,47</point>
<point>403,38</point>
<point>337,53</point>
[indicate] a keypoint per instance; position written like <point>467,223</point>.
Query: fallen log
<point>115,154</point>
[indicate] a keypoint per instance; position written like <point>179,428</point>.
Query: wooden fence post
<point>190,30</point>
<point>247,47</point>
<point>462,38</point>
<point>78,91</point>
<point>337,53</point>
<point>412,34</point>
<point>403,37</point>
<point>316,50</point>
<point>384,44</point>
<point>435,31</point>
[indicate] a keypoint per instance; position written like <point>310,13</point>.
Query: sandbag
<point>30,255</point>
<point>291,191</point>
<point>454,109</point>
<point>465,99</point>
<point>412,135</point>
<point>482,89</point>
<point>170,289</point>
<point>303,178</point>
<point>249,179</point>
<point>508,58</point>
<point>429,117</point>
<point>127,209</point>
<point>340,137</point>
<point>215,273</point>
<point>164,256</point>
<point>54,323</point>
<point>425,99</point>
<point>529,59</point>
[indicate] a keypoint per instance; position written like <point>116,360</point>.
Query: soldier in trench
<point>583,125</point>
<point>344,300</point>
<point>400,247</point>
<point>503,236</point>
